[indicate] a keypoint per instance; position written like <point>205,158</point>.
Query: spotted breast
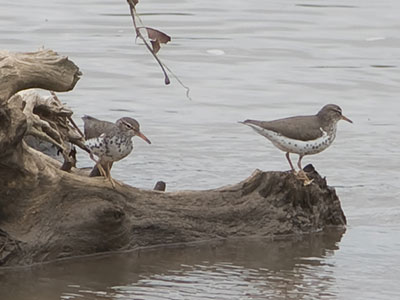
<point>111,148</point>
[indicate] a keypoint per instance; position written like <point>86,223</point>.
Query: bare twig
<point>156,38</point>
<point>139,34</point>
<point>180,82</point>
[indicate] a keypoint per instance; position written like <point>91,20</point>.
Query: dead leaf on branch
<point>140,35</point>
<point>155,36</point>
<point>152,38</point>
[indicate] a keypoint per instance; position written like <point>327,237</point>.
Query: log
<point>43,69</point>
<point>47,213</point>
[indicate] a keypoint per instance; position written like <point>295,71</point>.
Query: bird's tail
<point>254,124</point>
<point>250,123</point>
<point>86,117</point>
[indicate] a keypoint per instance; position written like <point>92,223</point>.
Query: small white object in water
<point>216,51</point>
<point>375,38</point>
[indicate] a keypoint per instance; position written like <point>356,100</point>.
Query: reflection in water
<point>294,268</point>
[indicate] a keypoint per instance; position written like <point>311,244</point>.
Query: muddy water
<point>241,59</point>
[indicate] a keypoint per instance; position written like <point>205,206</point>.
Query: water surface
<point>241,59</point>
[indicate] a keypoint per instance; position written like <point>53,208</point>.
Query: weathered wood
<point>47,213</point>
<point>48,125</point>
<point>27,112</point>
<point>58,214</point>
<point>43,69</point>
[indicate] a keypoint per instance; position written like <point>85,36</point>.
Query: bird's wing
<point>93,127</point>
<point>305,128</point>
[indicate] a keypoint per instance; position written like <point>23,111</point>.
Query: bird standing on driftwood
<point>303,135</point>
<point>110,142</point>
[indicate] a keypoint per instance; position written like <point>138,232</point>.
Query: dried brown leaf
<point>155,45</point>
<point>153,37</point>
<point>156,35</point>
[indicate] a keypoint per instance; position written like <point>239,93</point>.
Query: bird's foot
<point>101,170</point>
<point>303,176</point>
<point>114,181</point>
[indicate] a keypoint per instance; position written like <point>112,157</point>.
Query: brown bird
<point>303,135</point>
<point>110,142</point>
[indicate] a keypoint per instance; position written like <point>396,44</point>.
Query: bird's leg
<point>98,165</point>
<point>301,174</point>
<point>101,170</point>
<point>290,163</point>
<point>108,175</point>
<point>113,181</point>
<point>299,162</point>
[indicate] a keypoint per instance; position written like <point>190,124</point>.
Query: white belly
<point>297,146</point>
<point>111,149</point>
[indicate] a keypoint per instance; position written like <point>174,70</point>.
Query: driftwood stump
<point>47,213</point>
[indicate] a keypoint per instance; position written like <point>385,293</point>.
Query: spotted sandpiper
<point>110,142</point>
<point>303,135</point>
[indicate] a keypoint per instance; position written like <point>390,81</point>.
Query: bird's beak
<point>139,134</point>
<point>347,119</point>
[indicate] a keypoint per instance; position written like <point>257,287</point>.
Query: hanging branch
<point>155,36</point>
<point>152,38</point>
